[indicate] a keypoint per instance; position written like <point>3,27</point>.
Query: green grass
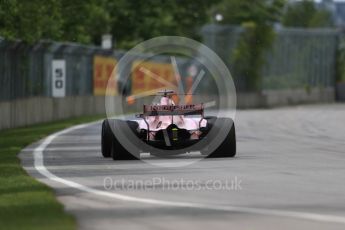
<point>24,202</point>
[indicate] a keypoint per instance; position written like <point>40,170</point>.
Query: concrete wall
<point>36,110</point>
<point>275,98</point>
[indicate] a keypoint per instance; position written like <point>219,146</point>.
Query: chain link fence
<point>299,58</point>
<point>26,68</point>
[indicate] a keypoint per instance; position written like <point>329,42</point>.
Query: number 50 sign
<point>58,78</point>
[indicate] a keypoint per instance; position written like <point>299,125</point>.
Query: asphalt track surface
<point>289,174</point>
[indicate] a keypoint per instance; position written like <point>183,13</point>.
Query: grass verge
<point>26,203</point>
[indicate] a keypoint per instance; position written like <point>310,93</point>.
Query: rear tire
<point>106,139</point>
<point>117,151</point>
<point>110,146</point>
<point>228,147</point>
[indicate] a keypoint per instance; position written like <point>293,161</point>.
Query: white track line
<point>39,166</point>
<point>65,149</point>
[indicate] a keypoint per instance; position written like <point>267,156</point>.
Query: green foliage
<point>25,203</point>
<point>85,21</point>
<point>304,14</point>
<point>30,20</point>
<point>340,71</point>
<point>135,21</point>
<point>257,19</point>
<point>260,12</point>
<point>248,57</point>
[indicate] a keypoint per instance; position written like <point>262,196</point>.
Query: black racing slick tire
<point>106,139</point>
<point>111,146</point>
<point>228,147</point>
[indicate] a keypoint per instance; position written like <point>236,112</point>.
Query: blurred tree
<point>306,14</point>
<point>30,20</point>
<point>135,21</point>
<point>85,21</point>
<point>257,19</point>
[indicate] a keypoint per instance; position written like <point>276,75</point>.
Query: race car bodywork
<point>166,126</point>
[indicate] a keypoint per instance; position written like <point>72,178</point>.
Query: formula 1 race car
<point>167,128</point>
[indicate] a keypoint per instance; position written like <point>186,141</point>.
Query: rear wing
<point>169,110</point>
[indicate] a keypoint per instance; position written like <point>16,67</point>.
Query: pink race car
<point>168,129</point>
